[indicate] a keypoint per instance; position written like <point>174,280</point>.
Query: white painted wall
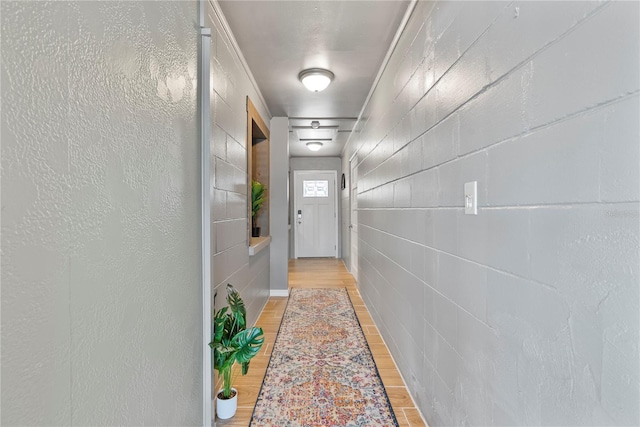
<point>101,293</point>
<point>526,314</point>
<point>279,203</point>
<point>101,298</point>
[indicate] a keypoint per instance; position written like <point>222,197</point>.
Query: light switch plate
<point>471,198</point>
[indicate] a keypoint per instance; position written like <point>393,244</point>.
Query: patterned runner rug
<point>321,371</point>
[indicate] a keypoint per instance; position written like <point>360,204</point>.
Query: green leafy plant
<point>257,199</point>
<point>232,341</point>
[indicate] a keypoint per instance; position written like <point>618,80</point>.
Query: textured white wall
<point>101,295</point>
<point>528,312</point>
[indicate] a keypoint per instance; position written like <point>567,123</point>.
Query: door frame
<point>335,201</point>
<point>353,184</point>
<point>208,301</point>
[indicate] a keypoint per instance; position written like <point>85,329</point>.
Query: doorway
<point>315,214</point>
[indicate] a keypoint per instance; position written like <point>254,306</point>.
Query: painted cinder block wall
<point>230,85</point>
<point>101,289</point>
<point>526,314</point>
<point>231,263</point>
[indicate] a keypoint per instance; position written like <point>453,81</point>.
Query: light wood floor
<point>325,273</point>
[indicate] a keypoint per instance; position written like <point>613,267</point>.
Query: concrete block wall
<point>100,264</point>
<point>230,86</point>
<point>528,312</point>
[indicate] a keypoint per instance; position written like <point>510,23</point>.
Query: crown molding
<point>234,44</point>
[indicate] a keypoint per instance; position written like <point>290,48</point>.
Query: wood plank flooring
<point>325,273</point>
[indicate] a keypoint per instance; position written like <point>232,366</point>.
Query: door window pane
<point>315,188</point>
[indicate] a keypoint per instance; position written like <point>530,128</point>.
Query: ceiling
<point>281,38</point>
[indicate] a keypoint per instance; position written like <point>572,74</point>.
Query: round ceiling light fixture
<point>314,145</point>
<point>315,79</point>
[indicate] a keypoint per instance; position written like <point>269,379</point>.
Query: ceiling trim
<point>234,44</point>
<point>383,66</point>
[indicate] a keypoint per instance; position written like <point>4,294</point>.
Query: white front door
<point>315,215</point>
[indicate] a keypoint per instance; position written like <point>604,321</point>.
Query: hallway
<point>487,194</point>
<point>325,273</point>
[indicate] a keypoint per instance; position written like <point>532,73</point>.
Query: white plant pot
<point>226,408</point>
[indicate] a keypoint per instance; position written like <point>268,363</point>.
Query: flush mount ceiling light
<point>315,79</point>
<point>315,124</point>
<point>314,145</point>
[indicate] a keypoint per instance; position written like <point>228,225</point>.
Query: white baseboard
<point>279,293</point>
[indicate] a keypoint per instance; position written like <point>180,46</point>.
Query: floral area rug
<point>321,371</point>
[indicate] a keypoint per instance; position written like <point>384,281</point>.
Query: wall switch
<point>471,198</point>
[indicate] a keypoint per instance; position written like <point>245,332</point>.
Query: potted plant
<point>232,342</point>
<point>257,199</point>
